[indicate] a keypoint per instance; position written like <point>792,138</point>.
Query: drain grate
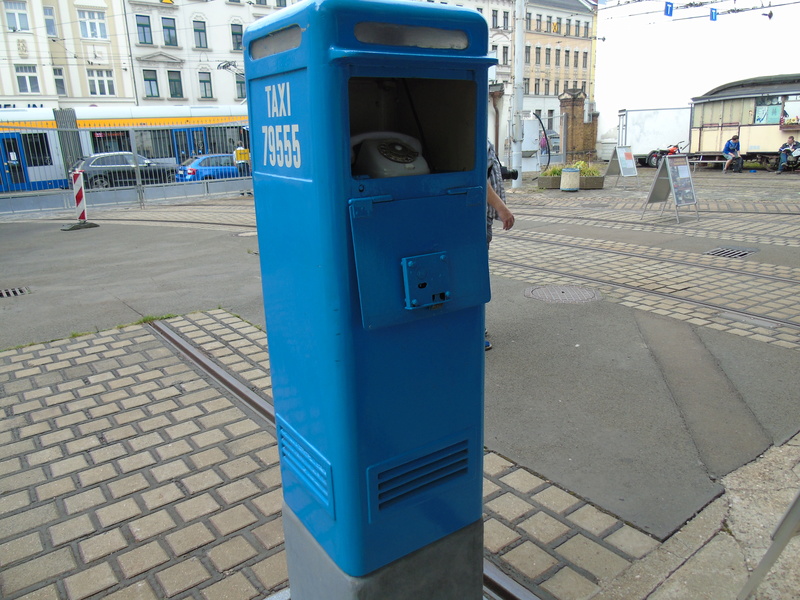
<point>728,252</point>
<point>12,292</point>
<point>562,293</point>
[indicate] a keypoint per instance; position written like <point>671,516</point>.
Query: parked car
<point>117,169</point>
<point>207,166</point>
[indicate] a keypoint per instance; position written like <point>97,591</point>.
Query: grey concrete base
<point>448,569</point>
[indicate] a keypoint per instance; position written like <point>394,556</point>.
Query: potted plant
<point>550,178</point>
<point>590,178</point>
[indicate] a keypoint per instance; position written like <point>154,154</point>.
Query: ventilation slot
<point>306,463</point>
<point>726,252</point>
<point>418,476</point>
<point>12,292</point>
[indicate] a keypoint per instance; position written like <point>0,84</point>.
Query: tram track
<point>544,213</point>
<point>704,264</point>
<point>497,585</point>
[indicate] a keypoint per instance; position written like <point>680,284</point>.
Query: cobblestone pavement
<point>127,474</point>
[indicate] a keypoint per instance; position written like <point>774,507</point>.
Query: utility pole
<point>519,89</point>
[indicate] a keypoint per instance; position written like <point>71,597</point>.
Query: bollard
<point>78,193</point>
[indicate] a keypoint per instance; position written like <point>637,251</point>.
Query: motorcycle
<point>655,156</point>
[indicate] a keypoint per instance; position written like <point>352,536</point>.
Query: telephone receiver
<point>407,140</point>
<point>380,154</point>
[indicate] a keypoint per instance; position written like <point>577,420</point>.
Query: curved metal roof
<point>771,85</point>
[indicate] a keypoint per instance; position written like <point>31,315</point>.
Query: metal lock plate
<point>426,280</point>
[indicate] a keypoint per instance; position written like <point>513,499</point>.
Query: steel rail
<point>497,585</point>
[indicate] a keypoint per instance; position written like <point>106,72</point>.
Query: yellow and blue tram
<point>39,145</point>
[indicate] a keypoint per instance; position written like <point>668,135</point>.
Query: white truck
<point>651,131</point>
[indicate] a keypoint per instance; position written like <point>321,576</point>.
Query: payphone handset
<point>380,154</point>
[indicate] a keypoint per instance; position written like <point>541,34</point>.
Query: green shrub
<point>554,171</point>
<point>586,169</point>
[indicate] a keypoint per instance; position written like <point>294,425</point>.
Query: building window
<point>538,55</point>
<point>536,87</point>
<point>241,88</point>
<point>58,77</point>
<point>236,36</point>
<point>586,29</point>
<point>280,3</point>
<point>101,82</point>
<point>170,32</point>
<point>27,80</point>
<point>557,28</point>
<point>143,29</point>
<point>494,19</point>
<point>547,57</point>
<point>574,85</point>
<point>556,86</point>
<point>528,20</point>
<point>583,86</point>
<point>549,24</point>
<point>575,59</point>
<point>546,87</point>
<point>585,60</point>
<point>505,55</point>
<point>261,2</point>
<point>175,84</point>
<point>205,85</point>
<point>538,22</point>
<point>494,50</point>
<point>526,83</point>
<point>566,59</point>
<point>50,21</point>
<point>550,115</point>
<point>17,16</point>
<point>527,55</point>
<point>568,27</point>
<point>577,28</point>
<point>150,83</point>
<point>505,19</point>
<point>93,24</point>
<point>200,38</point>
<point>558,57</point>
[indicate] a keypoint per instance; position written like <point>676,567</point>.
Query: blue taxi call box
<point>368,128</point>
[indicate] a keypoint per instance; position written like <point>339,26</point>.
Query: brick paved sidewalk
<point>126,474</point>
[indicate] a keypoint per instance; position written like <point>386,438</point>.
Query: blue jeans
<point>784,158</point>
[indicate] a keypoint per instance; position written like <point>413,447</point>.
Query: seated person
<point>785,150</point>
<point>730,152</point>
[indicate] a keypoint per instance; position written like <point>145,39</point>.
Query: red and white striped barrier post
<point>80,204</point>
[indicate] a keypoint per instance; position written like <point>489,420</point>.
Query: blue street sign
<point>668,8</point>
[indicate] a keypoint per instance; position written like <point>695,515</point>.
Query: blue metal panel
<point>378,393</point>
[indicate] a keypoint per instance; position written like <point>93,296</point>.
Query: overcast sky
<point>649,60</point>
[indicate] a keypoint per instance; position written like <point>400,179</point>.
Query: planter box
<point>592,183</point>
<point>549,182</point>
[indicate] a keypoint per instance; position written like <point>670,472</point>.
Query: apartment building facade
<point>67,53</point>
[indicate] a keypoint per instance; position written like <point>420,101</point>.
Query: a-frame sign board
<point>622,164</point>
<point>673,176</point>
<point>787,529</point>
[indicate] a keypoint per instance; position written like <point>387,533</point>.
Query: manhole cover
<point>562,293</point>
<point>727,252</point>
<point>12,292</point>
